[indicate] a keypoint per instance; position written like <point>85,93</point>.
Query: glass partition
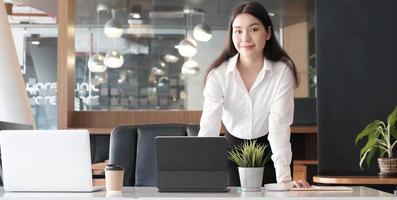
<point>152,55</point>
<point>36,47</point>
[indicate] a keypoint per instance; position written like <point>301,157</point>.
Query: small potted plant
<point>250,158</point>
<point>382,139</point>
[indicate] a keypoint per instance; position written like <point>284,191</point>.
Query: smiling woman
<point>249,38</point>
<point>250,88</point>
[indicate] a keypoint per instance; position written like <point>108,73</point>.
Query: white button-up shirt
<point>266,109</point>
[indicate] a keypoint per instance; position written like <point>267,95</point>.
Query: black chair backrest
<point>146,168</point>
<point>122,151</point>
<point>133,148</point>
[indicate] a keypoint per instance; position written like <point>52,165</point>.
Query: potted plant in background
<point>250,158</point>
<point>382,139</point>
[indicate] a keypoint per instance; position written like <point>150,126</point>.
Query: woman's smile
<point>247,46</point>
<point>249,35</point>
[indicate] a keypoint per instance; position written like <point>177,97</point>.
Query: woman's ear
<point>269,33</point>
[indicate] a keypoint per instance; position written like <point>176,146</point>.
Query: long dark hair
<point>272,50</point>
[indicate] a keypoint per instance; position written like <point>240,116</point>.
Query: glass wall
<point>36,47</point>
<point>145,61</point>
<point>152,55</point>
<point>149,77</point>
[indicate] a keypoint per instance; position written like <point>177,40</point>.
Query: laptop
<point>191,164</point>
<point>46,161</point>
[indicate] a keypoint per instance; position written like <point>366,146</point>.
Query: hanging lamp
<point>113,27</point>
<point>202,32</point>
<point>190,67</point>
<point>95,62</point>
<point>114,59</point>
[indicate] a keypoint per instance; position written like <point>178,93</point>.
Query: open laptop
<point>191,164</point>
<point>46,160</point>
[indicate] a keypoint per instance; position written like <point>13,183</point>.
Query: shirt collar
<point>232,64</point>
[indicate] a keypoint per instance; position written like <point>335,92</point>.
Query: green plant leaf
<point>382,153</point>
<point>369,145</point>
<point>362,158</point>
<point>370,155</point>
<point>249,154</point>
<point>365,152</point>
<point>368,130</point>
<point>392,120</point>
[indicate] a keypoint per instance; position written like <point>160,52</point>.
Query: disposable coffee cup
<point>114,175</point>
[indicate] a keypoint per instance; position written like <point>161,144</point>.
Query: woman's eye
<point>237,31</point>
<point>254,29</point>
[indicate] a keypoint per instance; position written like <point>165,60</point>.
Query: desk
<point>149,193</point>
<point>355,180</point>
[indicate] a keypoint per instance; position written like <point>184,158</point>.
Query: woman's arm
<point>280,119</point>
<point>210,122</point>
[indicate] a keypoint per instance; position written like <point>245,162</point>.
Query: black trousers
<point>269,174</point>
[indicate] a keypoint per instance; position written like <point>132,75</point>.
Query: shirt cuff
<point>283,174</point>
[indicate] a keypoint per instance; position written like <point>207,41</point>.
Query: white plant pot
<point>250,178</point>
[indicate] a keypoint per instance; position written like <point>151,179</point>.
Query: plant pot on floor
<point>250,178</point>
<point>387,167</point>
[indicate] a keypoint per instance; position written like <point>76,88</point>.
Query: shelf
<point>99,131</point>
<point>304,129</point>
<point>355,180</point>
<point>305,162</point>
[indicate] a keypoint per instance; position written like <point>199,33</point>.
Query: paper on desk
<point>323,188</point>
<point>289,187</point>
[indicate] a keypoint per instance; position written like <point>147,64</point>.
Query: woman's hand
<point>301,184</point>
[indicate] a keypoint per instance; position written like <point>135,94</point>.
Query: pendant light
<point>190,67</point>
<point>157,71</point>
<point>188,46</point>
<point>113,27</point>
<point>171,58</point>
<point>202,32</point>
<point>95,62</point>
<point>114,59</point>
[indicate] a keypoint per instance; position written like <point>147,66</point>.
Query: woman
<point>250,87</point>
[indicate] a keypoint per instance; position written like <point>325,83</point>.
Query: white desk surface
<point>358,193</point>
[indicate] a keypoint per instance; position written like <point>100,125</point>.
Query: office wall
<point>206,54</point>
<point>357,68</point>
<point>18,34</point>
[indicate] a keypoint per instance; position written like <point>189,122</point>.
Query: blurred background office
<point>98,64</point>
<point>141,55</point>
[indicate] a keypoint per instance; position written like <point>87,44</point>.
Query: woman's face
<point>249,35</point>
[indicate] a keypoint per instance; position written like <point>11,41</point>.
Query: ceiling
<point>165,12</point>
<point>47,6</point>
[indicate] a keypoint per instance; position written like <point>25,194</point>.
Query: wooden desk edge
<point>355,180</point>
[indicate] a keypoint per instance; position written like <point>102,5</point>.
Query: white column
<point>14,103</point>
